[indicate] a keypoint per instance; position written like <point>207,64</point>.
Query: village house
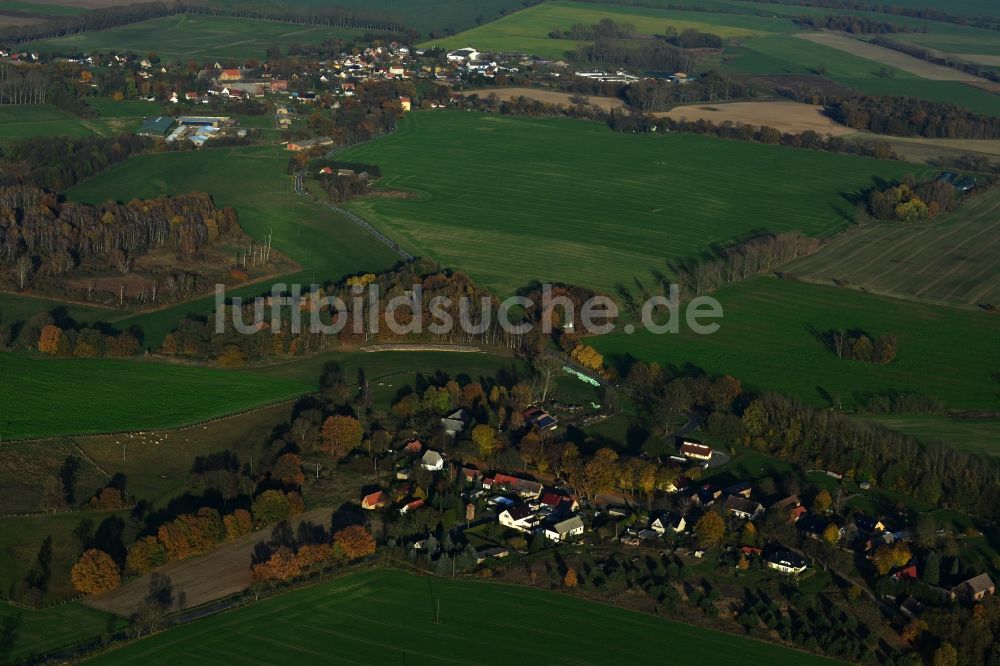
<point>558,503</point>
<point>496,552</point>
<point>520,518</point>
<point>673,522</point>
<point>974,589</point>
<point>411,506</point>
<point>230,75</point>
<point>565,529</point>
<point>523,487</point>
<point>375,500</point>
<point>432,461</point>
<point>696,450</point>
<point>454,423</point>
<point>786,562</point>
<point>743,508</point>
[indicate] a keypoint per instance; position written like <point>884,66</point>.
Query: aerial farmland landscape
<point>493,331</point>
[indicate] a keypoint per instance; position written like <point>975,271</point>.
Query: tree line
<point>820,439</point>
<point>740,261</point>
<point>58,163</point>
<point>910,116</point>
<point>860,346</point>
<point>645,54</point>
<point>857,25</point>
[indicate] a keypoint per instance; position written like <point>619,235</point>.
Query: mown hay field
<point>953,259</point>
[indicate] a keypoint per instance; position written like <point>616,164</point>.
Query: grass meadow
<point>42,397</point>
<point>527,30</point>
<point>389,617</point>
<point>766,339</point>
<point>184,37</point>
<point>38,120</point>
<point>976,435</point>
<point>953,259</point>
<point>511,200</point>
<point>56,627</point>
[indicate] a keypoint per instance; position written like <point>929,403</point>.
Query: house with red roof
<point>375,500</point>
<point>907,574</point>
<point>230,75</point>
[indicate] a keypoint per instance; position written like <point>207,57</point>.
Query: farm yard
<point>388,616</point>
<point>611,210</point>
<point>183,37</point>
<point>769,321</point>
<point>951,260</point>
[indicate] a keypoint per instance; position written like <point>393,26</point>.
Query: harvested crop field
<point>547,96</point>
<point>785,116</point>
<point>953,259</point>
<point>880,54</point>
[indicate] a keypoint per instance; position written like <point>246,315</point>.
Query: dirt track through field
<point>204,578</point>
<point>884,56</point>
<point>785,116</point>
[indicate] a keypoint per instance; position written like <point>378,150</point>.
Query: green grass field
<point>56,627</point>
<point>765,340</point>
<point>975,435</point>
<point>184,37</point>
<point>511,200</point>
<point>98,395</point>
<point>388,617</point>
<point>38,120</point>
<point>527,30</point>
<point>953,259</point>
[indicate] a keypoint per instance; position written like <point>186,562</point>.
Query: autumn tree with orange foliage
<point>340,435</point>
<point>95,572</point>
<point>282,565</point>
<point>288,469</point>
<point>48,340</point>
<point>238,523</point>
<point>569,580</point>
<point>145,555</point>
<point>355,542</point>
